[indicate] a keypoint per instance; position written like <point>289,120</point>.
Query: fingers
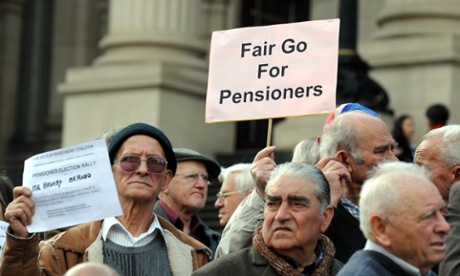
<point>266,152</point>
<point>262,167</point>
<point>21,190</point>
<point>329,166</point>
<point>323,162</point>
<point>20,211</point>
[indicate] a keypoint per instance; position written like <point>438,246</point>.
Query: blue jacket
<point>372,263</point>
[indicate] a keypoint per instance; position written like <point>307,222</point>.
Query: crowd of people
<point>360,199</point>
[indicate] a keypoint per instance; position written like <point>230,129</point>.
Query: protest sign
<point>273,71</point>
<point>3,228</point>
<point>70,186</point>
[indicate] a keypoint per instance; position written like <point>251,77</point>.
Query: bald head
<point>91,269</point>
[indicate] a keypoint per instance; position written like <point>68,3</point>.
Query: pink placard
<point>273,71</point>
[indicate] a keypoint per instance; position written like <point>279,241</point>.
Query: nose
<point>391,157</point>
<point>283,212</point>
<point>143,169</point>
<point>442,225</point>
<point>219,203</point>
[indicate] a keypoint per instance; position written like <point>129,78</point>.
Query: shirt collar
<point>350,207</point>
<point>109,225</point>
<point>410,269</point>
<point>309,268</point>
<point>175,219</point>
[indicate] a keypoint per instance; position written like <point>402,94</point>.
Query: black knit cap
<point>144,129</point>
<point>212,166</point>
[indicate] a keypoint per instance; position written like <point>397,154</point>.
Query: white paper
<point>3,228</point>
<point>70,186</point>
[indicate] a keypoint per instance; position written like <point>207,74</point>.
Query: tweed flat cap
<point>212,166</point>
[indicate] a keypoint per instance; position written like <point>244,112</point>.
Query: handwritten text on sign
<point>274,71</point>
<point>70,186</point>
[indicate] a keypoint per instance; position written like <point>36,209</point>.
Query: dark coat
<point>248,262</point>
<point>450,266</point>
<point>345,233</point>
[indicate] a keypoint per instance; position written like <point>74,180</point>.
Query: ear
<point>327,215</point>
<point>455,174</point>
<point>379,229</point>
<point>166,180</point>
<point>345,158</point>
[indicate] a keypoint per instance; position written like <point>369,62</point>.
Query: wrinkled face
<point>229,200</point>
<point>140,185</point>
<point>428,154</point>
<point>417,232</point>
<point>376,146</point>
<point>292,220</point>
<point>186,192</point>
<point>408,128</point>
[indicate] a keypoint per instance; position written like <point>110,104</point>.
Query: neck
<point>136,217</point>
<point>352,191</point>
<point>184,214</point>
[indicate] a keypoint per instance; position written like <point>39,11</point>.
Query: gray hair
<point>307,173</point>
<point>342,134</point>
<point>380,193</point>
<point>243,180</point>
<point>306,151</point>
<point>109,134</point>
<point>449,150</point>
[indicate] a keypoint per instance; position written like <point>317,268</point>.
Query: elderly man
<point>401,216</point>
<point>236,185</point>
<point>136,243</point>
<point>439,153</point>
<point>186,195</point>
<point>353,144</point>
<point>290,242</point>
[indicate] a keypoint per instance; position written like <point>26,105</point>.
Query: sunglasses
<point>131,163</point>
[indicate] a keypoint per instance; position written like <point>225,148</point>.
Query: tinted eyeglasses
<point>131,163</point>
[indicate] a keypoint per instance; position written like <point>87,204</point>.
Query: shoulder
<point>367,262</point>
<point>77,238</point>
<point>181,236</point>
<point>235,263</point>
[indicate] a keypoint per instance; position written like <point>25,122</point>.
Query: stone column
<point>153,69</point>
<point>415,56</point>
<point>34,76</point>
<point>11,16</point>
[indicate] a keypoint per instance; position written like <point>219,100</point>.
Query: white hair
<point>380,193</point>
<point>243,179</point>
<point>449,150</point>
<point>306,151</point>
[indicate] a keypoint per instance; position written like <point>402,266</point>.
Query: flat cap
<point>143,129</point>
<point>212,166</point>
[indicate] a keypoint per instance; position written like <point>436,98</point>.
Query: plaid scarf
<point>283,268</point>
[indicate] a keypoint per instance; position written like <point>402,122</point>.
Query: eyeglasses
<point>223,196</point>
<point>193,177</point>
<point>131,163</point>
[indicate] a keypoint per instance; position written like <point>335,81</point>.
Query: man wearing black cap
<point>136,243</point>
<point>186,195</point>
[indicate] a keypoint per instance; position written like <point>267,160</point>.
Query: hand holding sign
<point>20,211</point>
<point>64,187</point>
